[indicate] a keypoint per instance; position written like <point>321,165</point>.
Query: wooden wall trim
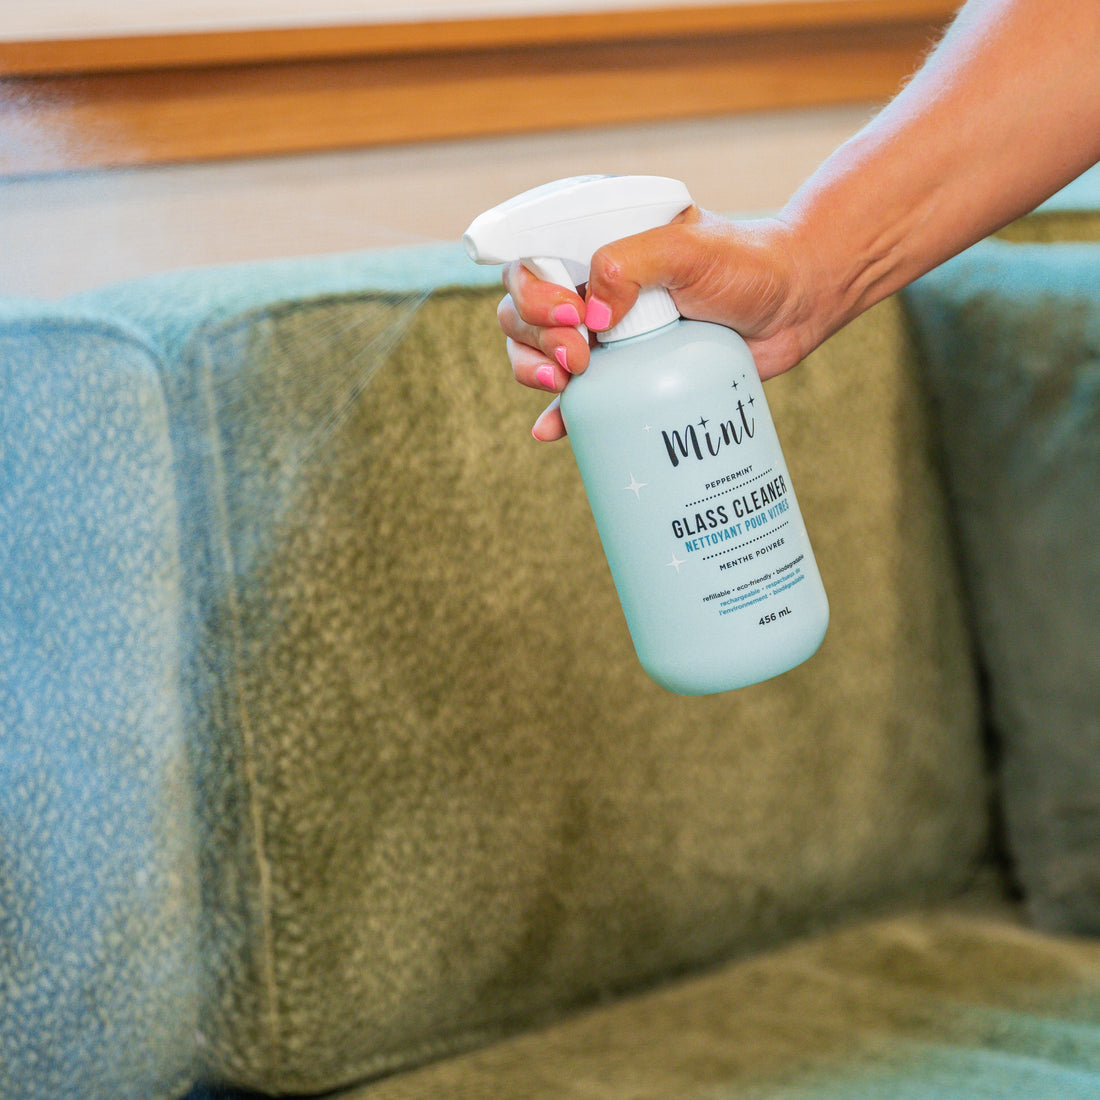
<point>70,104</point>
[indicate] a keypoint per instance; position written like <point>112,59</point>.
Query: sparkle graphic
<point>677,562</point>
<point>735,384</point>
<point>647,428</point>
<point>635,487</point>
<point>703,423</point>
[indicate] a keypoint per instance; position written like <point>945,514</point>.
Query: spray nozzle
<point>554,230</point>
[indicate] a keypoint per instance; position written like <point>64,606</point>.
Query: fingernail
<point>545,376</point>
<point>562,356</point>
<point>598,314</point>
<point>566,314</point>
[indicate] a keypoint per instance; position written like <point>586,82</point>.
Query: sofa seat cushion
<point>953,1002</point>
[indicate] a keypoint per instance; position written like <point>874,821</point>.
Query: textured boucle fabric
<point>1055,224</point>
<point>98,899</point>
<point>439,799</point>
<point>944,1003</point>
<point>1012,339</point>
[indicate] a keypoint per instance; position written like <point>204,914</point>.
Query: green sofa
<point>327,765</point>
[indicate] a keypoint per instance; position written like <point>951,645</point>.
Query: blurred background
<point>144,135</point>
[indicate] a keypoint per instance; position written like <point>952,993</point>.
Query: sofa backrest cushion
<point>1011,334</point>
<point>439,798</point>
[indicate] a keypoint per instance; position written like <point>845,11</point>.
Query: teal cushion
<point>1011,334</point>
<point>98,898</point>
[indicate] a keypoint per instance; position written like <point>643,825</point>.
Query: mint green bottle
<point>678,454</point>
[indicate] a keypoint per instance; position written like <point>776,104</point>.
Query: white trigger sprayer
<point>678,453</point>
<point>555,229</point>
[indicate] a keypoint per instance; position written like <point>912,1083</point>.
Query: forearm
<point>1004,112</point>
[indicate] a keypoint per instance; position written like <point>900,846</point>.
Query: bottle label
<point>742,524</point>
<point>718,488</point>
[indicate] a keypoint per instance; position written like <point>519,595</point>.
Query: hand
<point>744,275</point>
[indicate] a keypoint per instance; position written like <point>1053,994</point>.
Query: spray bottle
<point>679,457</point>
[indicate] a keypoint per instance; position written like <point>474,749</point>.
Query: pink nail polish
<point>598,315</point>
<point>562,356</point>
<point>566,314</point>
<point>545,376</point>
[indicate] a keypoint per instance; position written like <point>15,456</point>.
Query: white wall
<point>63,234</point>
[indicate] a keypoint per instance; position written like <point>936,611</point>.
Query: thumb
<point>619,270</point>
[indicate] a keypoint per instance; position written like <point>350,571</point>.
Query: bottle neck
<point>653,310</point>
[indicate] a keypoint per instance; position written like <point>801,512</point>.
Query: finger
<point>562,345</point>
<point>531,368</point>
<point>550,425</point>
<point>658,257</point>
<point>540,303</point>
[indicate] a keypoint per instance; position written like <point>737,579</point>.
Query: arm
<point>1002,114</point>
<point>1005,111</point>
